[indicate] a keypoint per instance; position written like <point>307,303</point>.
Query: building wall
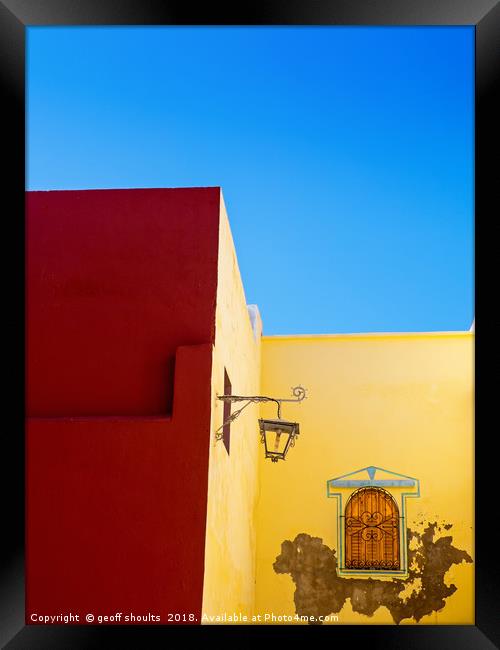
<point>116,506</point>
<point>403,402</point>
<point>136,310</point>
<point>116,281</point>
<point>233,482</point>
<point>121,295</point>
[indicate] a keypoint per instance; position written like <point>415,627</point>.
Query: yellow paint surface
<point>403,402</point>
<point>229,582</point>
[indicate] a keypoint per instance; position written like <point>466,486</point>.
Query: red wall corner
<point>116,507</point>
<point>121,298</point>
<point>116,281</point>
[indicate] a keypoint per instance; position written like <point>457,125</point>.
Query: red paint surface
<point>116,507</point>
<point>116,280</point>
<point>121,289</point>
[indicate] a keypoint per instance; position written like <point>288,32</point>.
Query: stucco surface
<point>398,401</point>
<point>229,583</point>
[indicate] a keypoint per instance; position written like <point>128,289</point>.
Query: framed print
<point>192,451</point>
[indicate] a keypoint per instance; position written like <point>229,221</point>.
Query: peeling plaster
<point>320,591</point>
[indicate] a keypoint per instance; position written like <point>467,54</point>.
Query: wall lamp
<point>276,435</point>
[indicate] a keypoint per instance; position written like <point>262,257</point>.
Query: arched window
<point>372,530</point>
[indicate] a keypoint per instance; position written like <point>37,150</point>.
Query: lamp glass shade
<point>278,436</point>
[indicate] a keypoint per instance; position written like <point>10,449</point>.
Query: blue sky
<point>345,155</point>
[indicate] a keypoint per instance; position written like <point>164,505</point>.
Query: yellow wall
<point>229,583</point>
<point>403,402</point>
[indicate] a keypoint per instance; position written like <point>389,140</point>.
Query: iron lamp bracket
<point>298,392</point>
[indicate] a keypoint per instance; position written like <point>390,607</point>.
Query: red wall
<point>116,507</point>
<point>121,289</point>
<point>116,280</point>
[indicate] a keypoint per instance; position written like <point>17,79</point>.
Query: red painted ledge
<point>116,506</point>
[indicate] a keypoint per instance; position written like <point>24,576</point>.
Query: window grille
<point>372,530</point>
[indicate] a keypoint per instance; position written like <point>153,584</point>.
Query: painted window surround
<point>348,485</point>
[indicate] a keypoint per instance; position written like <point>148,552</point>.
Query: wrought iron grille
<point>372,530</point>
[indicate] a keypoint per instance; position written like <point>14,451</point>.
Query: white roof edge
<point>255,321</point>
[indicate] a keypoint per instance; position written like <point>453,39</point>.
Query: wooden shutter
<point>372,530</point>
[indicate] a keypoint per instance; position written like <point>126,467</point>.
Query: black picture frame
<point>15,16</point>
